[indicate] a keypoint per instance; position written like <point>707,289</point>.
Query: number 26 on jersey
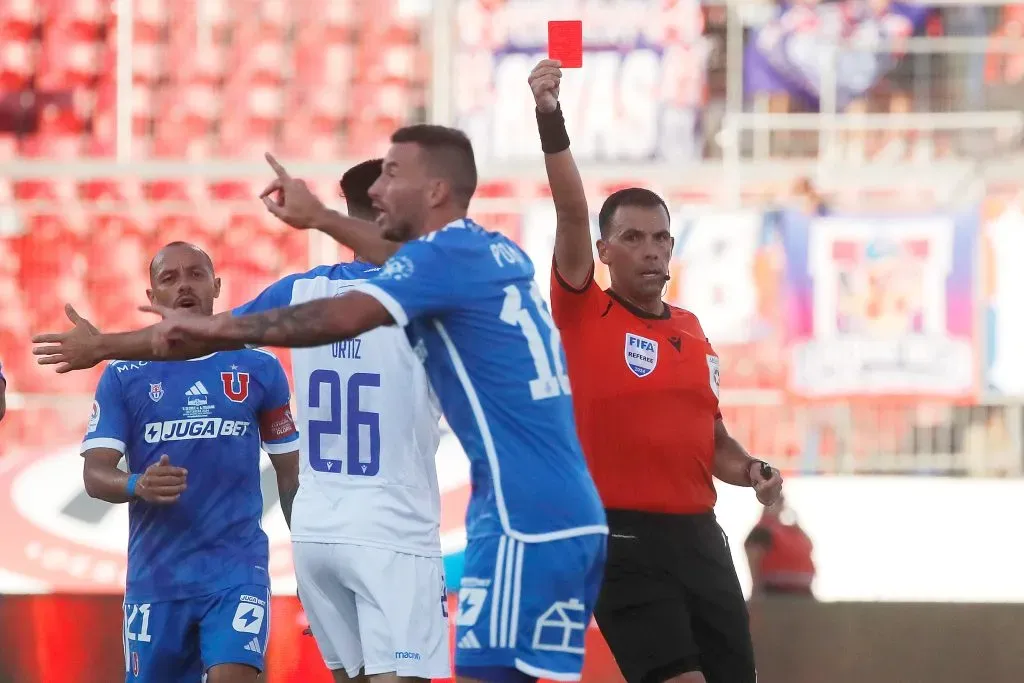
<point>360,428</point>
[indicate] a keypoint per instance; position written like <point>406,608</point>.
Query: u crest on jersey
<point>236,385</point>
<point>641,354</point>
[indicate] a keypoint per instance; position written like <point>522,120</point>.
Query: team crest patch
<point>236,385</point>
<point>156,391</point>
<point>94,417</point>
<point>641,354</point>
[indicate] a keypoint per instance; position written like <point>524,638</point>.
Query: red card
<point>565,43</point>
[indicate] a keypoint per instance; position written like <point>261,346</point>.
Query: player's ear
<point>149,295</point>
<point>216,287</point>
<point>602,251</point>
<point>438,191</point>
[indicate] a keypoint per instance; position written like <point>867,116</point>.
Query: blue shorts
<point>177,641</point>
<point>527,606</point>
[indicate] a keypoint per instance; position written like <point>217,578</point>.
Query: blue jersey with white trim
<point>369,429</point>
<point>208,415</point>
<point>473,311</point>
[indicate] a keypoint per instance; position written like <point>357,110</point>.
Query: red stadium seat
<point>148,63</point>
<point>8,147</point>
<point>79,19</point>
<point>17,63</point>
<point>18,18</point>
<point>335,21</point>
<point>150,19</point>
<point>68,63</point>
<point>203,63</point>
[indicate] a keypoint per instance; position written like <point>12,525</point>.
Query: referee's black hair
<point>355,187</point>
<point>448,152</point>
<point>630,196</point>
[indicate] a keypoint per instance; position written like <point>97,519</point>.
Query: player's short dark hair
<point>630,196</point>
<point>180,243</point>
<point>355,186</point>
<point>449,153</point>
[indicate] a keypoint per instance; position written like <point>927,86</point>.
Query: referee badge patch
<point>641,354</point>
<point>714,375</point>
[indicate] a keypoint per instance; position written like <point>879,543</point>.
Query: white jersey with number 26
<point>368,425</point>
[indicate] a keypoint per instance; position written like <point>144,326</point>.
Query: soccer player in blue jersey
<point>371,577</point>
<point>197,598</point>
<point>470,306</point>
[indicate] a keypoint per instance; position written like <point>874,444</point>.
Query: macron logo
<point>197,389</point>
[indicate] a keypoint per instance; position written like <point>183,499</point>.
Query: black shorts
<point>671,602</point>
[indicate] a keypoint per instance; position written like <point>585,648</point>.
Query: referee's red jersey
<point>645,390</point>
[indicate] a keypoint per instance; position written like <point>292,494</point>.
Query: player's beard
<point>398,230</point>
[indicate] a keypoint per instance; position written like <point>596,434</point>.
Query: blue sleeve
<point>109,422</point>
<point>418,281</point>
<point>277,428</point>
<point>277,295</point>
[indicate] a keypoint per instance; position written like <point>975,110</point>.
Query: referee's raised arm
<point>574,259</point>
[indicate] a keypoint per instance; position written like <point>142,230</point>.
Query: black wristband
<point>551,126</point>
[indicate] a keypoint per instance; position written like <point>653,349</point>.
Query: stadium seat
<point>17,63</point>
<point>150,19</point>
<point>67,62</point>
<point>18,19</point>
<point>79,19</point>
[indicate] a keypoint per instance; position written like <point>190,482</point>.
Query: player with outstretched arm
<point>366,521</point>
<point>474,314</point>
<point>197,598</point>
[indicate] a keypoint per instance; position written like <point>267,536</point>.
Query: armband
<point>132,483</point>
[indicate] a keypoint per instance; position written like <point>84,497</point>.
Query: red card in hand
<point>565,43</point>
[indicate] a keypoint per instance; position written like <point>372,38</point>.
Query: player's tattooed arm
<point>83,346</point>
<point>287,468</point>
<point>573,254</point>
<point>310,324</point>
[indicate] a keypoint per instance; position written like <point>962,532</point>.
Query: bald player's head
<point>355,188</point>
<point>181,276</point>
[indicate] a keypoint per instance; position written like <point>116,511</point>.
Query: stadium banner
<point>66,542</point>
<point>881,306</point>
<point>1002,285</point>
<point>637,98</point>
<point>790,52</point>
<point>726,268</point>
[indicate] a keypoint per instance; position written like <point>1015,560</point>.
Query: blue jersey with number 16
<point>471,308</point>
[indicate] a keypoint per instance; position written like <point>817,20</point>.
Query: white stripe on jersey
<point>492,454</point>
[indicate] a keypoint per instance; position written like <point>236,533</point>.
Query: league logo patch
<point>641,354</point>
<point>715,376</point>
<point>156,391</point>
<point>94,417</point>
<point>397,268</point>
<point>236,385</point>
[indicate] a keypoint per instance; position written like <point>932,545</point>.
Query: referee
<point>645,384</point>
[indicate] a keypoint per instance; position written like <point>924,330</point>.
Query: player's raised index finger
<point>280,170</point>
